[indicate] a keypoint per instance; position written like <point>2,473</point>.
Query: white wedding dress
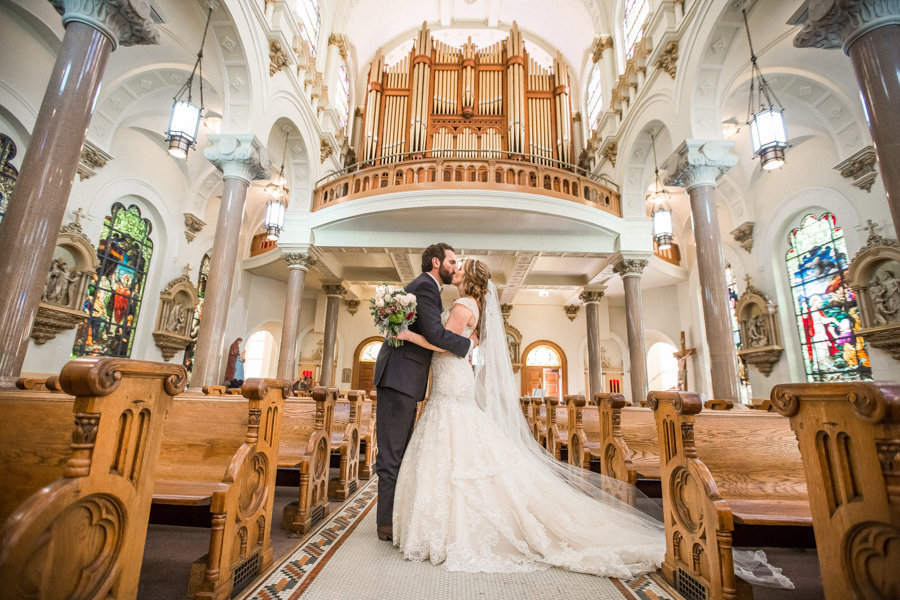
<point>475,495</point>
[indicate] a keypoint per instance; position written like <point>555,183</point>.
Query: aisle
<point>345,559</point>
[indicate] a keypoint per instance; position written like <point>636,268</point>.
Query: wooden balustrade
<point>496,174</point>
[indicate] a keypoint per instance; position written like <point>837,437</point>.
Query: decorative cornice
<point>860,168</point>
<point>668,59</point>
<point>125,22</point>
<point>298,260</point>
<point>699,162</point>
<point>743,235</point>
<point>238,156</point>
<point>630,267</point>
<point>91,160</point>
<point>839,23</point>
<point>193,226</point>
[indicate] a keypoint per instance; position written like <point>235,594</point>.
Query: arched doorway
<point>544,367</point>
<point>364,363</point>
<point>260,355</point>
<point>662,367</point>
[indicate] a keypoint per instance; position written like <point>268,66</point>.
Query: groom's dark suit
<point>401,376</point>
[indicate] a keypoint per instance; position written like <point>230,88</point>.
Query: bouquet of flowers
<point>394,311</point>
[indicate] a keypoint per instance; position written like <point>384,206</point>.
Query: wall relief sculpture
<point>761,344</point>
<point>874,276</point>
<point>177,303</point>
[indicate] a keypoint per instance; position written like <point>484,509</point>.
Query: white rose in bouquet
<point>379,301</point>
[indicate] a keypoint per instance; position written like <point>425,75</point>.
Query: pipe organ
<point>468,102</point>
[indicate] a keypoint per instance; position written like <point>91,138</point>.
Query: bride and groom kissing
<point>469,487</point>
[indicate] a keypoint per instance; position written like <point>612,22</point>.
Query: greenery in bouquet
<point>394,311</point>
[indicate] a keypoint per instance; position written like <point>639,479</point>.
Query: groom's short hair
<point>437,251</point>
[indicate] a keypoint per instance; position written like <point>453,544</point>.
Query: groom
<point>401,375</point>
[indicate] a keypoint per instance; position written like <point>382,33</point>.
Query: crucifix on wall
<point>682,356</point>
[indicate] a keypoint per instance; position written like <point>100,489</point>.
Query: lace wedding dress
<point>476,493</point>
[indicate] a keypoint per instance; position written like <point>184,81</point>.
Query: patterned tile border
<point>293,576</point>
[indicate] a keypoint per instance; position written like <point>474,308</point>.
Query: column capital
<point>592,294</point>
<point>125,22</point>
<point>238,156</point>
<point>630,267</point>
<point>699,162</point>
<point>334,289</point>
<point>298,260</point>
<point>839,23</point>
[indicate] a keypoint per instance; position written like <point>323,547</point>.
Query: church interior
<point>690,209</point>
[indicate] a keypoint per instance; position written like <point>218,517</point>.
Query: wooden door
<point>551,382</point>
<point>366,374</point>
<point>533,380</point>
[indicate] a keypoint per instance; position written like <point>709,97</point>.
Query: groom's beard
<point>445,275</point>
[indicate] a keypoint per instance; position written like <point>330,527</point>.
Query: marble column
<point>29,229</point>
<point>242,159</point>
<point>333,292</point>
<point>591,298</point>
<point>869,32</point>
<point>695,166</point>
<point>298,265</point>
<point>630,270</point>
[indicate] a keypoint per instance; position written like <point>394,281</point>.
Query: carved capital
<point>589,296</point>
<point>601,43</point>
<point>630,267</point>
<point>193,225</point>
<point>325,149</point>
<point>610,151</point>
<point>668,59</point>
<point>278,58</point>
<point>125,22</point>
<point>743,235</point>
<point>298,260</point>
<point>839,23</point>
<point>340,41</point>
<point>860,168</point>
<point>239,156</point>
<point>334,289</point>
<point>698,162</point>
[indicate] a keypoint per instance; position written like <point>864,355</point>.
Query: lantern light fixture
<point>185,120</point>
<point>279,194</point>
<point>663,230</point>
<point>764,115</point>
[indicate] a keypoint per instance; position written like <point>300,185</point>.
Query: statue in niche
<point>757,332</point>
<point>176,318</point>
<point>59,283</point>
<point>885,295</point>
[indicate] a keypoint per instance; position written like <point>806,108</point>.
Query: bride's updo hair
<point>476,275</point>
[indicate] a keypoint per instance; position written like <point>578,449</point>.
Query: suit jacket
<point>405,368</point>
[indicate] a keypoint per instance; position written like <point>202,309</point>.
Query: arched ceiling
<point>565,25</point>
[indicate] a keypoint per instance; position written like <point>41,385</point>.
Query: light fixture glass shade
<point>274,222</point>
<point>663,232</point>
<point>182,133</point>
<point>659,198</point>
<point>768,137</point>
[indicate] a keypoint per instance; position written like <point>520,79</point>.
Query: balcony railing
<point>511,173</point>
<point>260,244</point>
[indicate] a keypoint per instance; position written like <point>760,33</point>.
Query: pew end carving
<point>92,481</point>
<point>345,442</point>
<point>849,437</point>
<point>368,443</point>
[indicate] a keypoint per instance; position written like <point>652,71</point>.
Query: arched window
<point>114,296</point>
<point>258,354</point>
<point>636,12</point>
<point>825,307</point>
<point>595,98</point>
<point>343,97</point>
<point>370,352</point>
<point>543,356</point>
<point>544,369</point>
<point>202,276</point>
<point>8,173</point>
<point>309,23</point>
<point>743,374</point>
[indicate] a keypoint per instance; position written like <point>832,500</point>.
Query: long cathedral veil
<point>496,392</point>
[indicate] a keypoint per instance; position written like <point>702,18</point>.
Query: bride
<point>476,492</point>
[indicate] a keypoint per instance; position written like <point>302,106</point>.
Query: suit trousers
<point>394,421</point>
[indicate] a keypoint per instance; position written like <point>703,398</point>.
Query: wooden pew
<point>557,436</point>
<point>849,436</point>
<point>305,446</point>
<point>77,471</point>
<point>368,444</point>
<point>345,443</point>
<point>625,439</point>
<point>525,403</point>
<point>583,432</point>
<point>729,467</point>
<point>539,415</point>
<point>221,452</point>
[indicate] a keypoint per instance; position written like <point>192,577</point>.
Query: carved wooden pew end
<point>368,444</point>
<point>345,444</point>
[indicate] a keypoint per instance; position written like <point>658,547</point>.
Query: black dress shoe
<point>385,533</point>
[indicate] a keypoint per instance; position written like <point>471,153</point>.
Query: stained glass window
<point>595,98</point>
<point>8,173</point>
<point>343,97</point>
<point>636,12</point>
<point>542,356</point>
<point>309,23</point>
<point>825,307</point>
<point>370,352</point>
<point>114,295</point>
<point>195,325</point>
<point>743,375</point>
